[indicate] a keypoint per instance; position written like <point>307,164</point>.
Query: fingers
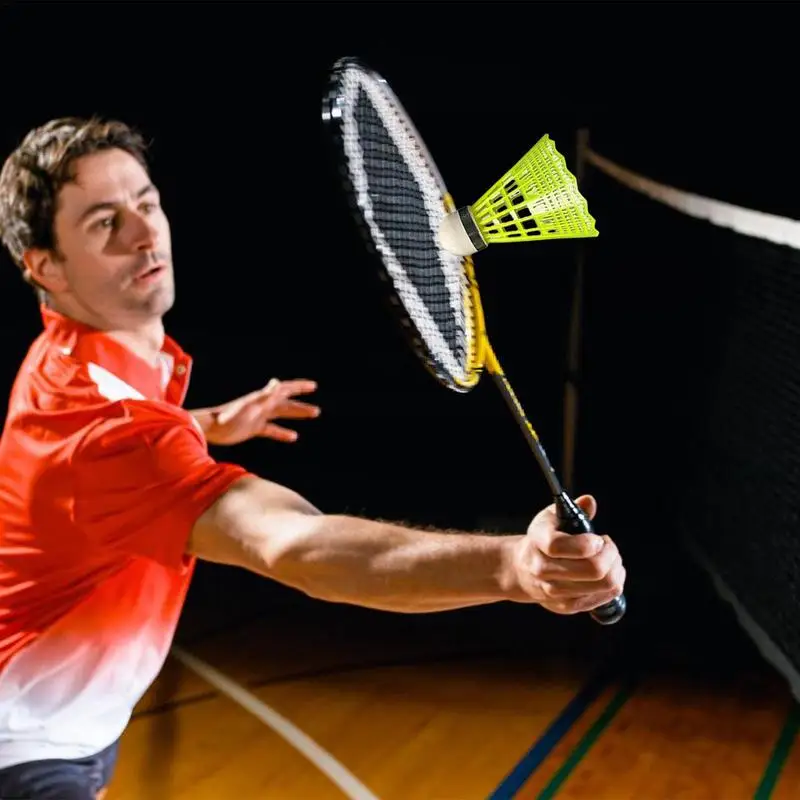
<point>278,433</point>
<point>579,605</point>
<point>588,505</point>
<point>559,545</point>
<point>556,544</point>
<point>295,409</point>
<point>277,395</point>
<point>276,399</point>
<point>592,567</point>
<point>289,388</point>
<point>575,597</point>
<point>597,579</point>
<point>278,403</point>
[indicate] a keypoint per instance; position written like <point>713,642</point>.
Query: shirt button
<point>180,369</point>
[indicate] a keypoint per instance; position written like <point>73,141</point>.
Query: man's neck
<point>146,340</point>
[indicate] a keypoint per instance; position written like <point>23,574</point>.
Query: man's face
<point>114,260</point>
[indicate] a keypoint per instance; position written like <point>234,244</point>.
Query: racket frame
<point>332,116</point>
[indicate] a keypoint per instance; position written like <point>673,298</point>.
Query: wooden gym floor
<point>291,699</point>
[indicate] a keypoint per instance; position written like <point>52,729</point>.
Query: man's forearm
<point>273,531</point>
<point>391,567</point>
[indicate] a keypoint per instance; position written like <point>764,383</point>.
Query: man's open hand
<point>252,415</point>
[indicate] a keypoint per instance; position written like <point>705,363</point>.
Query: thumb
<point>273,384</point>
<point>228,412</point>
<point>588,505</point>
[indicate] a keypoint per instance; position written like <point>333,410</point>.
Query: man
<point>108,493</point>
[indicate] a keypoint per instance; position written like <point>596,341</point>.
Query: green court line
<point>589,738</point>
<point>779,754</point>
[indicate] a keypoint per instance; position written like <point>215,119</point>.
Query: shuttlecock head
<point>537,199</point>
<point>459,234</point>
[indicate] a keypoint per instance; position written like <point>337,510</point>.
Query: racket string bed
<point>403,216</point>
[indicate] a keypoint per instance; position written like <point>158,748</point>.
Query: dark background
<point>273,279</point>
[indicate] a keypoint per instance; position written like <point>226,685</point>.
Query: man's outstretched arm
<point>273,531</point>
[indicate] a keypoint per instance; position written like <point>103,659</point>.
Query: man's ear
<point>45,269</point>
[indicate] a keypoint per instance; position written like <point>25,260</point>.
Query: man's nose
<point>144,234</point>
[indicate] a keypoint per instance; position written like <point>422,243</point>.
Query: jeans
<point>59,779</point>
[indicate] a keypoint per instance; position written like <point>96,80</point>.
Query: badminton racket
<point>407,216</point>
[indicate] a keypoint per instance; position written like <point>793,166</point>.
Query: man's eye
<point>106,222</point>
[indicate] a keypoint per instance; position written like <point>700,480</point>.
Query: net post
<point>574,336</point>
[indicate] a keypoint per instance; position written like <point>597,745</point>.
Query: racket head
<point>398,199</point>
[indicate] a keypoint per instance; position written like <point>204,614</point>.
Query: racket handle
<point>572,519</point>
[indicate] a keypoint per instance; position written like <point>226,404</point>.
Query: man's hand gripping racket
<point>424,244</point>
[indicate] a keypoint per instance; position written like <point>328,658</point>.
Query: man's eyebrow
<point>108,205</point>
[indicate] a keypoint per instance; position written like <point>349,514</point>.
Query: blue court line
<point>558,728</point>
<point>587,742</point>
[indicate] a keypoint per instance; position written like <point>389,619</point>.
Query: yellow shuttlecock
<point>538,198</point>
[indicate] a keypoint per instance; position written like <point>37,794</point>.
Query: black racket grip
<point>572,519</point>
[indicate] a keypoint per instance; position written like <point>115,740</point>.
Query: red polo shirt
<point>102,476</point>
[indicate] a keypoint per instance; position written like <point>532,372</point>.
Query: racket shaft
<point>571,517</point>
<point>530,434</point>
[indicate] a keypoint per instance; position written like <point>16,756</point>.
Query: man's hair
<point>34,173</point>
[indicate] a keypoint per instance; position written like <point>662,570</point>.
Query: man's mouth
<point>150,273</point>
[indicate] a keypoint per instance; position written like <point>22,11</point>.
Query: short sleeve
<point>142,479</point>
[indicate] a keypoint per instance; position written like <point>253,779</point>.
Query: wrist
<point>204,417</point>
<point>508,575</point>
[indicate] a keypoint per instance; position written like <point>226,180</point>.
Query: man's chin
<point>155,303</point>
<point>163,302</point>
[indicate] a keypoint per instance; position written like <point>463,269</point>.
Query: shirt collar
<point>169,380</point>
